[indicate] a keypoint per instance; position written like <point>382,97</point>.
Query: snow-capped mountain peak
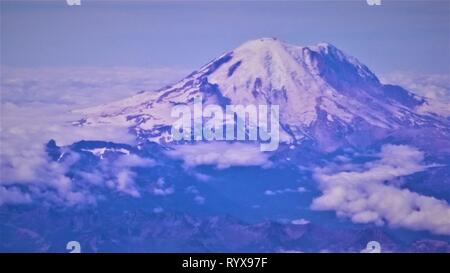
<point>322,93</point>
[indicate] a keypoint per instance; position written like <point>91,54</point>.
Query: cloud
<point>36,106</point>
<point>83,86</point>
<point>13,195</point>
<point>160,188</point>
<point>222,155</point>
<point>25,131</point>
<point>131,160</point>
<point>300,221</point>
<point>124,182</point>
<point>365,192</point>
<point>118,173</point>
<point>202,177</point>
<point>199,199</point>
<point>434,87</point>
<point>286,190</point>
<point>269,192</point>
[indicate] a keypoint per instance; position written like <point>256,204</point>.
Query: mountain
<point>324,95</point>
<point>335,116</point>
<point>141,230</point>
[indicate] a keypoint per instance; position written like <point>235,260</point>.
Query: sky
<point>408,36</point>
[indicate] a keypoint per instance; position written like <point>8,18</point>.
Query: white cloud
<point>364,193</point>
<point>120,175</point>
<point>131,160</point>
<point>36,106</point>
<point>160,188</point>
<point>25,131</point>
<point>199,199</point>
<point>269,192</point>
<point>13,195</point>
<point>221,154</point>
<point>201,176</point>
<point>192,189</point>
<point>300,221</point>
<point>83,86</point>
<point>125,183</point>
<point>286,190</point>
<point>434,87</point>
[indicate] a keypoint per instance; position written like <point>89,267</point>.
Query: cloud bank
<point>365,194</point>
<point>36,106</point>
<point>84,86</point>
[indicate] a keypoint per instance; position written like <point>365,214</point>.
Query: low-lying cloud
<point>365,194</point>
<point>85,86</point>
<point>220,154</point>
<point>286,190</point>
<point>36,106</point>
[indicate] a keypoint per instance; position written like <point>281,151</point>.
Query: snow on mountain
<point>100,152</point>
<point>323,93</point>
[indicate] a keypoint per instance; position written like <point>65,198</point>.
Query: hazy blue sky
<point>398,35</point>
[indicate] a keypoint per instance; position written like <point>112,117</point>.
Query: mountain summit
<point>324,95</point>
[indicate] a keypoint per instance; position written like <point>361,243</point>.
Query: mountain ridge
<point>324,95</point>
